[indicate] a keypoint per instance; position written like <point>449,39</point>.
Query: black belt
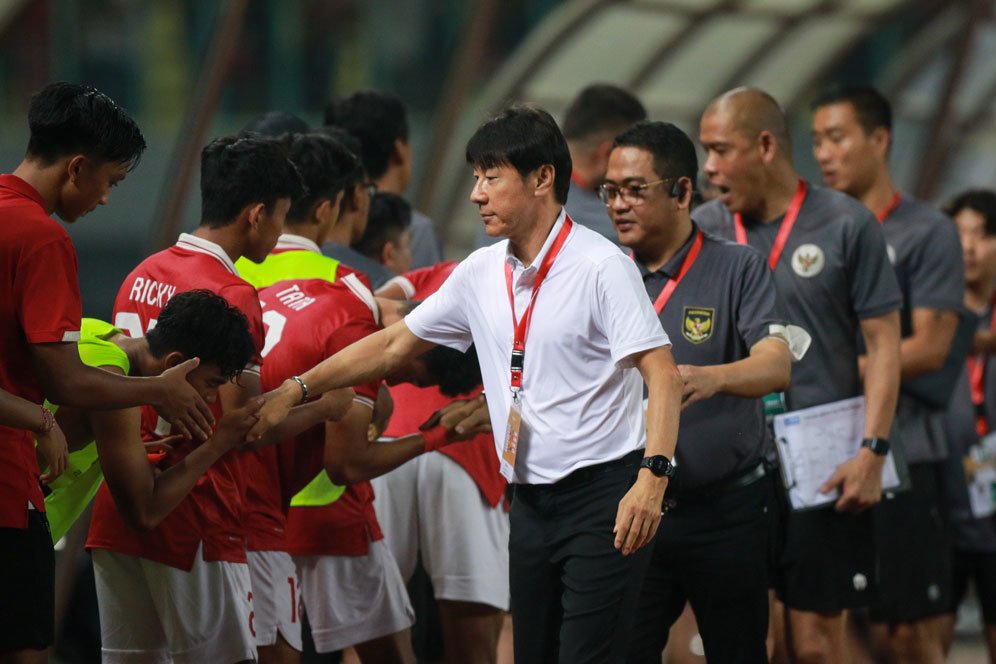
<point>589,473</point>
<point>719,488</point>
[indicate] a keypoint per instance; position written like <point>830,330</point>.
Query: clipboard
<point>813,442</point>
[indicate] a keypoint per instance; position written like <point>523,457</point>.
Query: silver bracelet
<point>304,388</point>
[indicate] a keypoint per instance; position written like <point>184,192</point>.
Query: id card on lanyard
<point>521,327</point>
<point>774,403</point>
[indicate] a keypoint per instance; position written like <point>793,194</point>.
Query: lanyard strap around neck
<point>791,214</point>
<point>521,325</point>
<point>672,283</point>
<point>977,377</point>
<point>890,208</point>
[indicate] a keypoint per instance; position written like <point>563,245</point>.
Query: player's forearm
<point>20,413</point>
<point>375,460</point>
<point>767,369</point>
<point>91,388</point>
<point>881,379</point>
<point>300,418</point>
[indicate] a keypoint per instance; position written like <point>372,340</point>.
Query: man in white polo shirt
<point>562,369</point>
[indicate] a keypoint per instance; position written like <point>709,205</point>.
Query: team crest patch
<point>697,324</point>
<point>808,260</point>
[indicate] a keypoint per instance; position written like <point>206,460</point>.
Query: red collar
<point>16,184</point>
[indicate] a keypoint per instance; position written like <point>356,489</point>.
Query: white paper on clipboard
<point>812,442</point>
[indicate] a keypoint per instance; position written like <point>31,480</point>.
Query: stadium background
<point>193,69</point>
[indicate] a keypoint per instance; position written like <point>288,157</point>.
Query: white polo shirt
<point>582,399</point>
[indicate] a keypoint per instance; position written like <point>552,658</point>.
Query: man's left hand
<point>859,480</point>
<point>639,512</point>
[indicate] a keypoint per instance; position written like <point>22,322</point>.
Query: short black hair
<point>982,201</point>
<point>390,216</point>
<point>525,138</point>
<point>454,372</point>
<point>276,123</point>
<point>673,151</point>
<point>66,119</point>
<point>871,108</point>
<point>201,324</point>
<point>601,109</point>
<point>326,167</point>
<point>240,171</point>
<point>351,143</point>
<point>377,119</point>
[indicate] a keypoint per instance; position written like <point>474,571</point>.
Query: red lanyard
<point>976,376</point>
<point>884,214</point>
<point>673,282</point>
<point>783,232</point>
<point>522,324</point>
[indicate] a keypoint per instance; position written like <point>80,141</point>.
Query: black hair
<point>871,108</point>
<point>601,109</point>
<point>67,119</point>
<point>276,123</point>
<point>377,119</point>
<point>199,323</point>
<point>982,201</point>
<point>390,216</point>
<point>454,372</point>
<point>236,172</point>
<point>326,167</point>
<point>673,152</point>
<point>525,138</point>
<point>356,176</point>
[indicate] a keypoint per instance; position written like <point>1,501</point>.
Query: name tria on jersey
<point>293,298</point>
<point>151,292</point>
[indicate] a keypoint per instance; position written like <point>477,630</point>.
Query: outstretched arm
<point>370,358</point>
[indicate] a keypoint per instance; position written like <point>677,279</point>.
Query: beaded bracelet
<point>48,421</point>
<point>304,388</point>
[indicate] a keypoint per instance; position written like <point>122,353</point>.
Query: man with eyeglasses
<point>833,277</point>
<point>711,549</point>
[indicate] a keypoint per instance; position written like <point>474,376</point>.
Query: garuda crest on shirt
<point>697,322</point>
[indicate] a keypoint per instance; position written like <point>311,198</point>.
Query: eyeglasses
<point>631,193</point>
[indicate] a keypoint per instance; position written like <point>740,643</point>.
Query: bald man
<point>833,278</point>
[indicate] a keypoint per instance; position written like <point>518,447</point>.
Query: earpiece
<point>677,190</point>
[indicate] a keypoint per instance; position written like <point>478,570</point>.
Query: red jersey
<point>213,512</point>
<point>413,405</point>
<point>309,320</point>
<point>39,303</point>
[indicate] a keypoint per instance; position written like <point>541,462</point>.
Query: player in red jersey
<point>247,185</point>
<point>81,145</point>
<point>350,584</point>
<point>455,520</point>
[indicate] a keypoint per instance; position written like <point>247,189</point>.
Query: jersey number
<point>275,323</point>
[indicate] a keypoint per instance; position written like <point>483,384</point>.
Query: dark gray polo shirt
<point>970,534</point>
<point>725,304</point>
<point>925,251</point>
<point>833,273</point>
<point>587,209</point>
<point>375,272</point>
<point>424,241</point>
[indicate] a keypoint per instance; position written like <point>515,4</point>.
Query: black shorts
<point>914,551</point>
<point>980,569</point>
<point>27,586</point>
<point>828,561</point>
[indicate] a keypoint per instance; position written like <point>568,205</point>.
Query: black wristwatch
<point>659,465</point>
<point>879,446</point>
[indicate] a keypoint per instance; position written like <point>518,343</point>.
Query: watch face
<point>658,465</point>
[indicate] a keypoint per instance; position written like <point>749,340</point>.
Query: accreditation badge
<point>511,448</point>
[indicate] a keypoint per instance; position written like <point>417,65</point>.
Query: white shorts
<point>151,613</point>
<point>276,598</point>
<point>353,599</point>
<point>432,505</point>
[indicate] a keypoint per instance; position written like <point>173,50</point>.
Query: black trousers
<point>573,593</point>
<point>711,551</point>
<point>27,586</point>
